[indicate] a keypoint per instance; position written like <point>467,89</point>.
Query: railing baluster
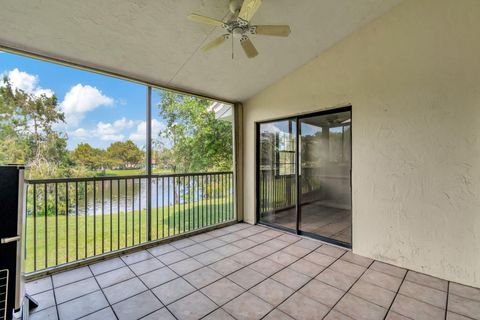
<point>168,206</point>
<point>85,236</point>
<point>45,209</point>
<point>76,220</point>
<point>184,203</point>
<point>56,223</point>
<point>66,219</point>
<point>157,205</point>
<point>94,217</point>
<point>111,216</point>
<point>118,214</point>
<point>103,216</point>
<point>34,227</point>
<point>126,209</point>
<point>133,212</point>
<point>139,211</point>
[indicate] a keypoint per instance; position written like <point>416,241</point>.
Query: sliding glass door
<point>277,173</point>
<point>324,176</point>
<point>304,174</point>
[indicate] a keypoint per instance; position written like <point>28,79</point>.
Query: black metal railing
<point>75,218</point>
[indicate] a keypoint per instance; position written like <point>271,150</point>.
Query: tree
<point>124,155</point>
<point>89,157</point>
<point>27,131</point>
<point>199,141</point>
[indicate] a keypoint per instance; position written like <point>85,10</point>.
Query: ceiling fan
<point>237,26</point>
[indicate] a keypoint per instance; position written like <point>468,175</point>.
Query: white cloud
<point>106,131</point>
<point>80,100</point>
<point>27,82</point>
<point>80,133</point>
<point>141,131</point>
<point>123,124</point>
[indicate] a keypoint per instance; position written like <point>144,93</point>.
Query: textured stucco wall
<point>413,79</point>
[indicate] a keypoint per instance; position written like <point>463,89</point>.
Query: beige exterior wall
<point>413,80</point>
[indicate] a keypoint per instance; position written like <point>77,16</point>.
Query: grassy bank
<point>89,236</point>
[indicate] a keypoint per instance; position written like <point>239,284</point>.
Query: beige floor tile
<point>415,309</point>
<point>296,251</point>
<point>382,280</point>
<point>247,307</point>
<point>276,314</point>
<point>202,277</point>
<point>282,258</point>
<point>226,266</point>
<point>158,277</point>
<point>192,307</point>
<point>373,293</point>
<point>335,315</point>
<point>272,291</point>
<point>185,266</point>
<point>336,279</point>
<point>245,257</point>
<point>124,290</point>
<point>222,291</point>
<point>291,278</point>
<point>357,259</point>
<point>388,269</point>
<point>348,268</point>
<point>360,309</point>
<point>426,294</point>
<point>320,259</point>
<point>331,250</point>
<point>266,267</point>
<point>322,292</point>
<point>173,290</point>
<point>307,268</point>
<point>219,314</point>
<point>246,277</point>
<point>464,291</point>
<point>464,306</point>
<point>427,280</point>
<point>301,307</point>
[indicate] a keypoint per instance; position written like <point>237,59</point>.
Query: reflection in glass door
<point>324,176</point>
<point>320,206</point>
<point>277,173</point>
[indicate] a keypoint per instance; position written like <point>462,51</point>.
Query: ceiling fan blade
<point>278,31</point>
<point>249,7</point>
<point>215,43</point>
<point>206,20</point>
<point>248,47</point>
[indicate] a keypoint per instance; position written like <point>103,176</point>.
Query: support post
<point>149,162</point>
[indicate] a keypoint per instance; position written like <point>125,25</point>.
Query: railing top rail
<point>127,177</point>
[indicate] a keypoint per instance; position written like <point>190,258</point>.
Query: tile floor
<point>249,272</point>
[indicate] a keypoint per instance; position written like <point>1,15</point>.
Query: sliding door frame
<point>297,118</point>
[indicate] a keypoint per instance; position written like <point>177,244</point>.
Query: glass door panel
<point>324,176</point>
<point>277,173</point>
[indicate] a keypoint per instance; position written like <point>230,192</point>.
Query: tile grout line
<point>103,293</point>
<point>243,267</point>
<point>396,294</point>
<point>206,266</point>
<point>446,302</point>
<point>351,286</point>
<point>297,291</point>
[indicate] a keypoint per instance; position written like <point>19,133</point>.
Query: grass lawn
<point>119,230</point>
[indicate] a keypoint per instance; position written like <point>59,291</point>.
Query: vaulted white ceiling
<point>153,40</point>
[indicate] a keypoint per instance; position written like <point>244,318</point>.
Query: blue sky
<point>99,109</point>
